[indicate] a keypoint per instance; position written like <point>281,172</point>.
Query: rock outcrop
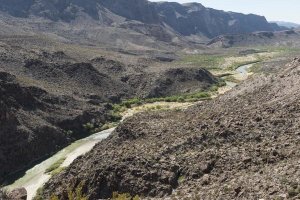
<point>18,194</point>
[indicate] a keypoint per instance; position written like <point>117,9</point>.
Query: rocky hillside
<point>135,21</point>
<point>50,91</point>
<point>36,122</point>
<point>281,38</point>
<point>242,145</point>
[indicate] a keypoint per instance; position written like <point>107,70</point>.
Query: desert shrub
<point>115,117</point>
<point>88,126</point>
<point>55,165</point>
<point>130,102</point>
<point>199,95</point>
<point>124,196</point>
<point>39,194</point>
<point>58,170</point>
<point>221,83</point>
<point>105,127</point>
<point>211,62</point>
<point>158,107</point>
<point>181,179</point>
<point>77,194</point>
<point>69,133</point>
<point>54,197</point>
<point>293,191</point>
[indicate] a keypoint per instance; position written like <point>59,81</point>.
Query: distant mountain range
<point>105,21</point>
<point>287,24</point>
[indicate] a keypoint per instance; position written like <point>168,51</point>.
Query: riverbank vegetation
<point>55,167</point>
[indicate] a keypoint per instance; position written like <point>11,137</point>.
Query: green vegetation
<point>281,49</point>
<point>117,108</point>
<point>55,166</point>
<point>115,114</point>
<point>113,119</point>
<point>72,195</point>
<point>125,196</point>
<point>191,97</point>
<point>231,78</point>
<point>89,127</point>
<point>39,194</point>
<point>128,103</point>
<point>294,190</point>
<point>210,62</point>
<point>58,170</point>
<point>108,126</point>
<point>215,87</point>
<point>181,179</point>
<point>77,194</point>
<point>69,133</point>
<point>236,65</point>
<point>256,68</point>
<point>177,98</point>
<point>232,60</point>
<point>54,197</point>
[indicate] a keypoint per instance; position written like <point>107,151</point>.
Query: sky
<point>273,10</point>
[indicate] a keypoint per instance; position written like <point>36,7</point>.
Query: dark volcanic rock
<point>181,80</point>
<point>22,131</point>
<point>18,194</point>
<point>242,145</point>
<point>170,81</point>
<point>34,122</point>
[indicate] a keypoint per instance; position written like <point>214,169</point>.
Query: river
<point>243,71</point>
<point>36,177</point>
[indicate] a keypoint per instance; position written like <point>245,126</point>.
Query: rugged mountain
<point>134,21</point>
<point>47,95</point>
<point>242,145</point>
<point>194,19</point>
<point>45,105</point>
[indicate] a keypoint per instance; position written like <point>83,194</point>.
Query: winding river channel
<point>36,177</point>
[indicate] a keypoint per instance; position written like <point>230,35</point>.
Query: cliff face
<point>184,19</point>
<point>193,18</point>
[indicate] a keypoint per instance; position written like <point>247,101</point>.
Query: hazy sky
<point>273,10</point>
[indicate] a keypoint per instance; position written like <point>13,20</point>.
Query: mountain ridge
<point>182,19</point>
<point>287,24</point>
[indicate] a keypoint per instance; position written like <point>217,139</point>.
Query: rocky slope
<point>126,23</point>
<point>281,38</point>
<point>242,145</point>
<point>35,122</point>
<point>49,91</point>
